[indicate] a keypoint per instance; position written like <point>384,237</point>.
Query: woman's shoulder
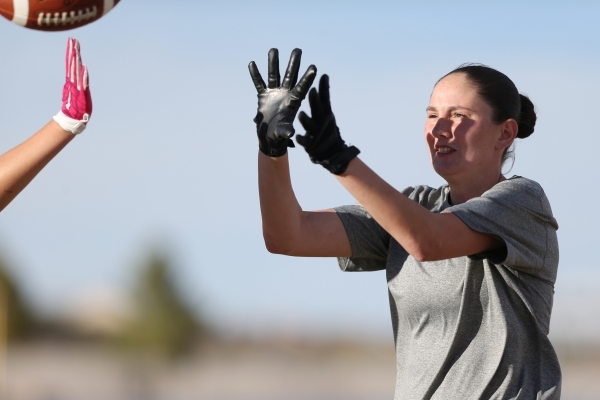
<point>519,187</point>
<point>516,193</point>
<point>521,182</point>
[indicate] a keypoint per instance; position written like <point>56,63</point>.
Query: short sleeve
<point>517,212</point>
<point>368,240</point>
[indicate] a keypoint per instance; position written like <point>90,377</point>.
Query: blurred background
<point>133,266</point>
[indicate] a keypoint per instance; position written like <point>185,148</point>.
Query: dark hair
<point>501,94</point>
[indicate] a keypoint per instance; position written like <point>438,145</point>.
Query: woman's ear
<point>509,131</point>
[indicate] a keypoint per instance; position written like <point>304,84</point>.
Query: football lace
<point>65,18</point>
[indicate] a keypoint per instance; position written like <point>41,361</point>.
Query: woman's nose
<point>442,127</point>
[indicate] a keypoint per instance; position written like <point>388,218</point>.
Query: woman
<point>470,265</point>
<point>21,164</point>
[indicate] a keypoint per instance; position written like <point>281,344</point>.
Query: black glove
<point>279,103</point>
<point>322,141</point>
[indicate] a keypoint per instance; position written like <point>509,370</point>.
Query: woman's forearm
<point>425,235</point>
<point>21,164</point>
<point>280,210</point>
<point>402,218</point>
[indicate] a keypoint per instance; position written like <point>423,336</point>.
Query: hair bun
<point>527,118</point>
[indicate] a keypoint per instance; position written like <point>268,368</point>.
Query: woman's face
<point>460,133</point>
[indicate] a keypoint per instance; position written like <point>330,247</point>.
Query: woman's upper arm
<point>458,239</point>
<point>321,234</point>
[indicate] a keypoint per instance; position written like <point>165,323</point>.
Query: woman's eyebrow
<point>452,108</point>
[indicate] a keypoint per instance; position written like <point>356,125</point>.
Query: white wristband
<point>69,124</point>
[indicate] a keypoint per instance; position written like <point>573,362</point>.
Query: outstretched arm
<point>20,165</point>
<point>425,235</point>
<point>287,229</point>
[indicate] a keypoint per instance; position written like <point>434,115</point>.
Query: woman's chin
<point>445,170</point>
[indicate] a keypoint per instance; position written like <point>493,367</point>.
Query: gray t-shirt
<point>470,327</point>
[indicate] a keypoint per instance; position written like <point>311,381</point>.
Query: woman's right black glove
<point>322,141</point>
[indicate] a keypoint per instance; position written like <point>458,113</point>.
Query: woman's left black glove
<point>279,102</point>
<point>323,141</point>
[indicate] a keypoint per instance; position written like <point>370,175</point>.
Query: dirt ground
<point>234,371</point>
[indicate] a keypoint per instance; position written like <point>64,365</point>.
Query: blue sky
<point>169,157</point>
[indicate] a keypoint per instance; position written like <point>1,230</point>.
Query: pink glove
<point>77,100</point>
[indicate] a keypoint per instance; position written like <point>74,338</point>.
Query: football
<point>55,15</point>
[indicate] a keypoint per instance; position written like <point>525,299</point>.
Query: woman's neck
<point>463,190</point>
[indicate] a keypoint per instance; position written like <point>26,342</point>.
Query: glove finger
<point>71,73</point>
<point>307,141</point>
<point>328,140</point>
<point>291,73</point>
<point>78,66</point>
<point>73,64</point>
<point>315,106</point>
<point>88,94</point>
<point>274,78</point>
<point>70,57</point>
<point>307,123</point>
<point>258,118</point>
<point>68,54</point>
<point>304,140</point>
<point>305,83</point>
<point>259,83</point>
<point>324,137</point>
<point>284,130</point>
<point>324,94</point>
<point>290,143</point>
<point>85,81</point>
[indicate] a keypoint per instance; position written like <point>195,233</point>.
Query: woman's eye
<point>432,116</point>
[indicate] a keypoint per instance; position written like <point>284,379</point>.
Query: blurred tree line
<point>160,323</point>
<point>16,317</point>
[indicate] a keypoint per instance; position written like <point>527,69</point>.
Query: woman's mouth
<point>444,150</point>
